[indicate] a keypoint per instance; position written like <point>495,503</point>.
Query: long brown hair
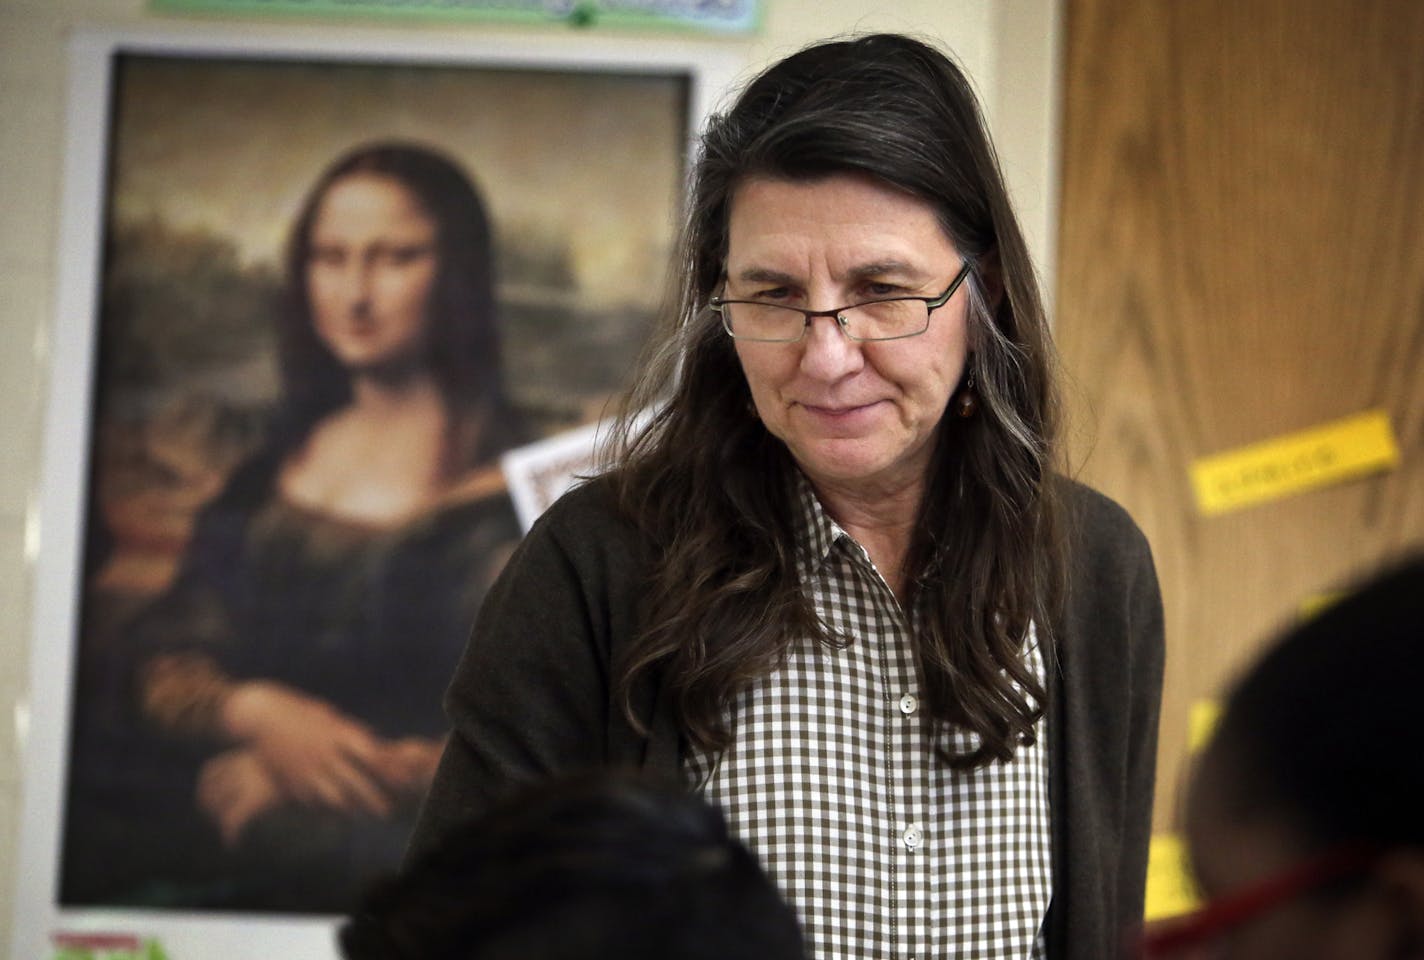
<point>713,490</point>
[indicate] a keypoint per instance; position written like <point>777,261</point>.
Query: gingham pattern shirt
<point>884,850</point>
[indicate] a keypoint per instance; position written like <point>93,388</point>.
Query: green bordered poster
<point>715,16</point>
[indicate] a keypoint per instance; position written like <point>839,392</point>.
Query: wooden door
<point>1241,256</point>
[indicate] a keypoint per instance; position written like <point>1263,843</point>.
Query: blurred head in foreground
<point>599,866</point>
<point>1305,818</point>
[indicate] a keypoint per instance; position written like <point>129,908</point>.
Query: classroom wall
<point>1010,48</point>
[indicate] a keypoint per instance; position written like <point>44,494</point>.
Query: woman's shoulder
<point>254,478</point>
<point>1111,577</point>
<point>581,559</point>
<point>586,532</point>
<point>1096,523</point>
<point>589,509</point>
<point>250,486</point>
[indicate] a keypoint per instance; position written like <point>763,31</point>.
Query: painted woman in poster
<point>289,680</point>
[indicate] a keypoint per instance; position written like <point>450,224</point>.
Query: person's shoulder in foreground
<point>1303,812</point>
<point>588,867</point>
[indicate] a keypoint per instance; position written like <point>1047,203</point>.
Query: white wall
<point>1009,47</point>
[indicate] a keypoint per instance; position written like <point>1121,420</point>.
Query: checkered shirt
<point>884,850</point>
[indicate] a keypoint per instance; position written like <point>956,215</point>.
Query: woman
<point>1303,813</point>
<point>302,650</point>
<point>826,581</point>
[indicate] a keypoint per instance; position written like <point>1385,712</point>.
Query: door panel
<point>1241,256</point>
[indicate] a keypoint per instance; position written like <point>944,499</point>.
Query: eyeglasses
<point>892,318</point>
<point>1219,916</point>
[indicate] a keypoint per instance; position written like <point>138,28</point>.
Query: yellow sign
<point>1170,890</point>
<point>1201,723</point>
<point>1277,468</point>
<point>1317,603</point>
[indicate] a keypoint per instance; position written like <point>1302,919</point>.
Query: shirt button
<point>908,704</point>
<point>913,837</point>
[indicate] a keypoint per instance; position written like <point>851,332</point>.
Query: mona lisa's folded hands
<point>410,763</point>
<point>234,788</point>
<point>315,754</point>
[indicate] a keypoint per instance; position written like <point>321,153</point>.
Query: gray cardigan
<point>533,697</point>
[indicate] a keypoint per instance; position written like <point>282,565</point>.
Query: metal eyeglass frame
<point>838,314</point>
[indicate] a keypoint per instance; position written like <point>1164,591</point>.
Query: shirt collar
<point>816,532</point>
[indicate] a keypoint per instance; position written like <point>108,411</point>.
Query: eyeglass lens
<point>876,320</point>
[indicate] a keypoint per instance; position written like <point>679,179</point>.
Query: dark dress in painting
<point>370,620</point>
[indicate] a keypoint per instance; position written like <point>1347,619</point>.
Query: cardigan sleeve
<point>1147,653</point>
<point>531,696</point>
<point>1110,658</point>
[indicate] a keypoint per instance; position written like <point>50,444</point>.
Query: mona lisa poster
<point>314,296</point>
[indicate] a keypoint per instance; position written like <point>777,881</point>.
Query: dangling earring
<point>966,401</point>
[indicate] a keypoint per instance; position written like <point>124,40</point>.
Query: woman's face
<point>853,414</point>
<point>370,271</point>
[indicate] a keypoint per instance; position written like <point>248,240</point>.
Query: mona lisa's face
<point>370,273</point>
